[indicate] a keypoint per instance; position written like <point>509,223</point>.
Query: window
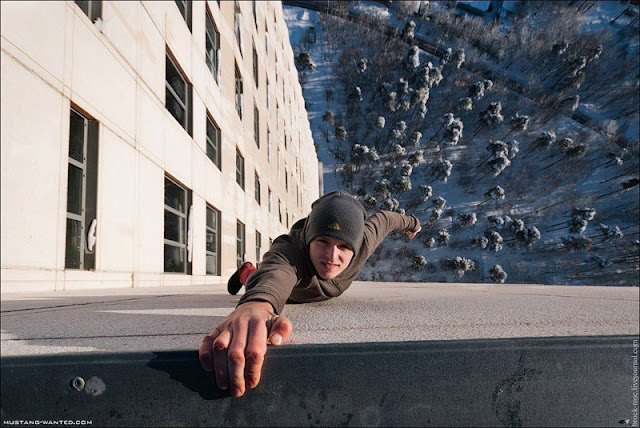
<point>269,198</point>
<point>240,243</point>
<point>258,247</point>
<point>268,95</point>
<point>279,163</point>
<point>239,169</point>
<point>255,66</point>
<point>82,186</point>
<point>213,142</point>
<point>237,23</point>
<point>213,241</point>
<point>286,180</point>
<point>255,13</point>
<point>279,211</point>
<point>239,91</point>
<point>257,188</point>
<point>176,205</point>
<point>93,9</point>
<point>178,94</point>
<point>185,10</point>
<point>256,125</point>
<point>269,146</point>
<point>213,48</point>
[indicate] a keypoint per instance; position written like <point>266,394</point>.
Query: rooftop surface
<point>176,318</point>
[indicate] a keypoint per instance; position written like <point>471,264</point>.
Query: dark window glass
<point>174,195</point>
<point>240,169</point>
<point>174,259</point>
<point>76,137</point>
<point>213,142</point>
<point>213,242</point>
<point>240,246</point>
<point>256,126</point>
<point>74,190</point>
<point>176,82</point>
<point>73,244</point>
<point>174,227</point>
<point>213,45</point>
<point>239,91</point>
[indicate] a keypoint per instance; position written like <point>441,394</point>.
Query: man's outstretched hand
<point>412,234</point>
<point>235,349</point>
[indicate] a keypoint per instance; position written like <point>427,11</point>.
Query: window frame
<point>239,88</point>
<point>240,169</point>
<point>187,13</point>
<point>256,125</point>
<point>241,244</point>
<point>237,24</point>
<point>258,247</point>
<point>212,59</point>
<point>85,259</point>
<point>182,246</point>
<point>257,189</point>
<point>216,231</point>
<point>215,146</point>
<point>93,9</point>
<point>169,90</point>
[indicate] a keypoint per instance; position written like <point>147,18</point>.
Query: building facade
<point>147,143</point>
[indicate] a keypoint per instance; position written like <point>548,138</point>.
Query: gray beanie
<point>337,215</point>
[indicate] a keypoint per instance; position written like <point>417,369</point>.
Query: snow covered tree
<point>416,157</point>
<point>425,192</point>
<point>611,233</point>
<point>494,240</point>
<point>419,262</point>
<point>453,132</point>
<point>492,116</point>
<point>518,123</point>
<point>328,116</point>
<point>480,242</point>
<point>569,104</point>
<point>467,219</point>
<point>498,163</point>
<point>498,274</point>
<point>412,61</point>
<point>476,90</point>
<point>380,122</point>
<point>403,184</point>
<point>362,65</point>
<point>495,193</point>
<point>370,201</point>
<point>382,187</point>
<point>415,139</point>
<point>429,242</point>
<point>439,203</point>
<point>459,265</point>
<point>408,32</point>
<point>546,139</point>
<point>577,243</point>
<point>517,226</point>
<point>444,237</point>
<point>529,235</point>
<point>390,204</point>
<point>442,170</point>
<point>465,104</point>
<point>458,58</point>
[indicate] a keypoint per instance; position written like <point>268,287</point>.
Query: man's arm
<point>235,349</point>
<point>382,223</point>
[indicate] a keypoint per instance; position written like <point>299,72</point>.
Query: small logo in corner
<point>335,226</point>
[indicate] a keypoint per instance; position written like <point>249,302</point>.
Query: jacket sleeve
<point>277,275</point>
<point>382,223</point>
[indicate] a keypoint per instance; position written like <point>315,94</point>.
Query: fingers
<point>280,331</point>
<point>236,357</point>
<point>206,350</point>
<point>254,355</point>
<point>220,346</point>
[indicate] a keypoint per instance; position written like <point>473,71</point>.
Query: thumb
<point>280,330</point>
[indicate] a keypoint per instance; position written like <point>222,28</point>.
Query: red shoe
<point>239,278</point>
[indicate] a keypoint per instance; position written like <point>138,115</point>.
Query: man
<point>318,260</point>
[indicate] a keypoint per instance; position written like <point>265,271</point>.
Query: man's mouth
<point>330,266</point>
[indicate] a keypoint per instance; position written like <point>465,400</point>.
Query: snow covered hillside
<point>516,146</point>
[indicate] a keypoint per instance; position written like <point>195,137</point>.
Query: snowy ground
<point>539,192</point>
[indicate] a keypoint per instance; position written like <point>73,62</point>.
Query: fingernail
<point>276,339</point>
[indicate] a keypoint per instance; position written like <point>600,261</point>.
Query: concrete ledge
<point>563,381</point>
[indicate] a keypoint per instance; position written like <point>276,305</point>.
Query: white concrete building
<point>147,143</point>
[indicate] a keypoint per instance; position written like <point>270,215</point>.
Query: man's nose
<point>332,252</point>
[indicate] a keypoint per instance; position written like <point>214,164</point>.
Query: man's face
<point>329,256</point>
